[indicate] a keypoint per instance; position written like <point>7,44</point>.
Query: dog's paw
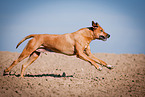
<point>110,66</point>
<point>100,69</point>
<point>5,72</point>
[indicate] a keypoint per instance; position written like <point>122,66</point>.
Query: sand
<point>57,75</point>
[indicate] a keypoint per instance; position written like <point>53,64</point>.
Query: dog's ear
<point>94,25</point>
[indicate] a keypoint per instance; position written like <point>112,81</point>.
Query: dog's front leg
<point>80,54</point>
<point>88,52</point>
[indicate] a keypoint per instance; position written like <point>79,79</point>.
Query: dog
<point>76,43</point>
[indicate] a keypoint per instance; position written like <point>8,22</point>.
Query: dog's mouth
<point>102,38</point>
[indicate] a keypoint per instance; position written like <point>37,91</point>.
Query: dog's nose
<point>108,35</point>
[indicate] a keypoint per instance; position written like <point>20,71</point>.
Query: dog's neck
<point>89,34</point>
<point>92,30</point>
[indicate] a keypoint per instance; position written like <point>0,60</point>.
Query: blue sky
<point>122,19</point>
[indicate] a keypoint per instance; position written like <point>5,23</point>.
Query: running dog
<point>76,43</point>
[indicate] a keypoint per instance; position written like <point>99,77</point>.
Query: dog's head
<point>98,32</point>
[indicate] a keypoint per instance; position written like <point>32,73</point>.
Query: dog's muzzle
<point>101,37</point>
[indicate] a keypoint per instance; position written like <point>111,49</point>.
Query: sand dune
<point>54,75</point>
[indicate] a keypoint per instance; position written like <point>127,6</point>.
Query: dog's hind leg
<point>31,47</point>
<point>31,59</point>
<point>20,58</point>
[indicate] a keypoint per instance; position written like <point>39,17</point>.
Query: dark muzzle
<point>104,38</point>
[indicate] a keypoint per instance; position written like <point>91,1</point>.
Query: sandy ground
<point>57,75</point>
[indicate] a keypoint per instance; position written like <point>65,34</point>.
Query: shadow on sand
<point>41,75</point>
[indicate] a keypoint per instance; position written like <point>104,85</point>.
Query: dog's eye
<point>101,30</point>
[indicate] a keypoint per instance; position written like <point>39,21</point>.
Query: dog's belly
<point>43,50</point>
<point>58,43</point>
<point>48,49</point>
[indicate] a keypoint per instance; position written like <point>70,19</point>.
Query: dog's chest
<point>87,44</point>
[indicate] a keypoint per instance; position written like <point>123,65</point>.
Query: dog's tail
<point>27,37</point>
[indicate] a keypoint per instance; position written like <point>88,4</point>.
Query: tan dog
<point>76,43</point>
